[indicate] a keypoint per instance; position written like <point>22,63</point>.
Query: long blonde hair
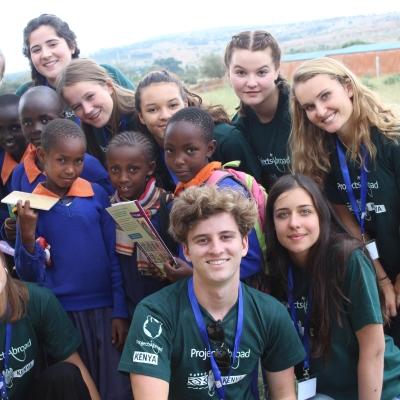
<point>309,144</point>
<point>85,70</point>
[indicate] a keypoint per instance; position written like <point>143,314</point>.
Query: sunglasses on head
<point>221,352</point>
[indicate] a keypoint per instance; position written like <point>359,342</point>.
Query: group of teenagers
<point>309,303</point>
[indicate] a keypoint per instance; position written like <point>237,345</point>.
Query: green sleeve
<point>238,122</point>
<point>118,77</point>
<point>23,88</point>
<point>234,146</point>
<point>147,350</point>
<point>56,333</point>
<point>361,289</point>
<point>283,348</point>
<point>391,155</point>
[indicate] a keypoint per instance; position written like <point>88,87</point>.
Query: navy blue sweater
<point>85,272</point>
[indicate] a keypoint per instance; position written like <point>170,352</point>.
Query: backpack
<point>256,191</point>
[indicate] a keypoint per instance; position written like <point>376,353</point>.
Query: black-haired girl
<point>330,286</point>
<point>71,250</point>
<point>131,162</point>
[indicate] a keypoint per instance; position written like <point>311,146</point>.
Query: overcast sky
<point>128,21</point>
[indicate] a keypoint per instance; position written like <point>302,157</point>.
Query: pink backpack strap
<point>217,176</point>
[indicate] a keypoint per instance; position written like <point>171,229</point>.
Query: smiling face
<point>90,101</point>
<point>129,170</point>
<point>35,113</point>
<point>12,140</point>
<point>252,75</point>
<point>62,164</point>
<point>216,247</point>
<point>327,103</point>
<point>49,53</point>
<point>186,149</point>
<point>158,103</point>
<point>296,223</point>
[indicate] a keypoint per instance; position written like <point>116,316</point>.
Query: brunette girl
<point>252,59</point>
<point>330,286</point>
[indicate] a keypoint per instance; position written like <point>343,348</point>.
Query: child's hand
<point>181,270</point>
<point>155,272</point>
<point>119,332</point>
<point>10,229</point>
<point>27,220</point>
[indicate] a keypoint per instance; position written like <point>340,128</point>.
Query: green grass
<point>224,96</point>
<point>388,88</point>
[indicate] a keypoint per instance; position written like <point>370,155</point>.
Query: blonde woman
<point>103,107</point>
<point>348,141</point>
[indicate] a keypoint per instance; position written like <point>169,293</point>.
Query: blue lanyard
<point>305,338</point>
<point>358,210</point>
<point>219,386</point>
<point>3,391</point>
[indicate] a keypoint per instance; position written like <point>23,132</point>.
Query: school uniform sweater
<point>85,273</point>
<point>137,284</point>
<point>8,166</point>
<point>27,175</point>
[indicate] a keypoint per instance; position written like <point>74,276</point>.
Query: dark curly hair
<point>62,30</point>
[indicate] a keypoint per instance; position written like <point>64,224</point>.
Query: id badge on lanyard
<point>359,208</point>
<point>219,385</point>
<point>307,386</point>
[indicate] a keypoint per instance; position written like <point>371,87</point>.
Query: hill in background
<point>299,37</point>
<point>186,54</point>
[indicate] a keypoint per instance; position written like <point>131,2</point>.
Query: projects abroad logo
<point>279,163</point>
<point>357,185</point>
<point>18,353</point>
<point>204,354</point>
<point>152,328</point>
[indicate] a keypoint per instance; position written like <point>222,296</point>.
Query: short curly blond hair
<point>202,202</point>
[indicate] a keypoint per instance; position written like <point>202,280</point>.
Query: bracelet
<point>383,278</point>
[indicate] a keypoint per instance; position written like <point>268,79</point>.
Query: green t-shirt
<point>45,329</point>
<point>269,141</point>
<point>232,146</point>
<point>165,342</point>
<point>382,221</point>
<point>337,374</point>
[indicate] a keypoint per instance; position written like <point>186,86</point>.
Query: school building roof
<point>359,48</point>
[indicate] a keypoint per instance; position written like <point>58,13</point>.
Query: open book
<point>133,220</point>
